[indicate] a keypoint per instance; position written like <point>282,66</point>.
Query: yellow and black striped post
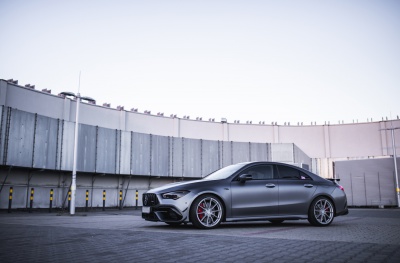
<point>51,200</point>
<point>31,202</point>
<point>10,200</point>
<point>87,200</point>
<point>69,199</point>
<point>120,199</point>
<point>104,200</point>
<point>137,199</point>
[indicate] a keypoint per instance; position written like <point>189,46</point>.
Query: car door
<point>296,190</point>
<point>255,197</point>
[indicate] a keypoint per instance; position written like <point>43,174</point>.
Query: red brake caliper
<point>200,211</point>
<point>326,208</point>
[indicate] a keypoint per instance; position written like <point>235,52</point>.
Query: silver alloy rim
<point>209,212</point>
<point>323,211</point>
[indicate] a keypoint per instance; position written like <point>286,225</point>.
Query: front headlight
<point>175,194</point>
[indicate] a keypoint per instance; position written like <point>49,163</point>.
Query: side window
<point>262,172</point>
<point>286,172</point>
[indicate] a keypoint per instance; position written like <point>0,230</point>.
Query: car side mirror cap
<point>245,177</point>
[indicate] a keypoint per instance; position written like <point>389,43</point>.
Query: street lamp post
<point>395,167</point>
<point>73,182</point>
<point>395,163</point>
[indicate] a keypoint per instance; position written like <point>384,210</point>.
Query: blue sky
<point>273,61</point>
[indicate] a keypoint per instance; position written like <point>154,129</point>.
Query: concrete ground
<point>365,235</point>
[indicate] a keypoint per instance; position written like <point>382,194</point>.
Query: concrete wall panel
<point>46,142</point>
<point>3,125</point>
<point>106,151</point>
<point>259,152</point>
<point>240,152</point>
<point>282,152</point>
<point>191,158</point>
<point>251,133</point>
<point>205,130</point>
<point>86,160</point>
<point>21,138</point>
<point>226,153</point>
<point>34,101</point>
<point>160,155</point>
<point>368,182</point>
<point>67,149</point>
<point>140,154</point>
<point>359,189</point>
<point>145,123</point>
<point>308,138</point>
<point>355,140</point>
<point>177,157</point>
<point>210,157</point>
<point>301,158</point>
<point>125,153</point>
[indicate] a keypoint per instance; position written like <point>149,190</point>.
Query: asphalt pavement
<point>364,235</point>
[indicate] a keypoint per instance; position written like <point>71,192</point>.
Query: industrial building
<point>122,153</point>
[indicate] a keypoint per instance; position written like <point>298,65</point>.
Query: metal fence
<point>34,141</point>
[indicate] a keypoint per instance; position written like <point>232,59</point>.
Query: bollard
<point>31,202</point>
<point>69,200</point>
<point>10,200</point>
<point>87,200</point>
<point>51,200</point>
<point>137,199</point>
<point>120,199</point>
<point>104,200</point>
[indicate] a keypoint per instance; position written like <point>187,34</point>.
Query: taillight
<point>340,187</point>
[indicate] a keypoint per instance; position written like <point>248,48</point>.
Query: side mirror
<point>244,177</point>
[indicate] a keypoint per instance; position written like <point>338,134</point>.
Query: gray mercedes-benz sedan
<point>247,192</point>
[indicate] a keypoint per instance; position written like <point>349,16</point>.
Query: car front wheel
<point>206,212</point>
<point>321,212</point>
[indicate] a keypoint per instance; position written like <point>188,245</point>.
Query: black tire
<point>276,221</point>
<point>206,212</point>
<point>321,212</point>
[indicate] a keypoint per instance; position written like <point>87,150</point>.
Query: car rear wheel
<point>206,212</point>
<point>321,212</point>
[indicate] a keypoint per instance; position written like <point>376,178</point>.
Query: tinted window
<point>262,172</point>
<point>286,172</point>
<point>224,172</point>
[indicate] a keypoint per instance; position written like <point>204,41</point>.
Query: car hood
<point>180,186</point>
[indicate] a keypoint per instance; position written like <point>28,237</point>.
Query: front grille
<point>150,200</point>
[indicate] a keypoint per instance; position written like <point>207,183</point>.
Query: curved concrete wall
<point>358,140</point>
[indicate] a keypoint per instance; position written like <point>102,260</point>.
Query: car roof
<point>313,175</point>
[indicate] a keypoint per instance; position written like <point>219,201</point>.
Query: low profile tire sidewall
<point>311,212</point>
<point>193,211</point>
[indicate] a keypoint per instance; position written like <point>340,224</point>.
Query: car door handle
<point>308,185</point>
<point>270,185</point>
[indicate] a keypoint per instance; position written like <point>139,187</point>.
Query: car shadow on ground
<point>254,225</point>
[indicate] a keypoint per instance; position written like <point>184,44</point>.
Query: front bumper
<point>154,210</point>
<point>164,213</point>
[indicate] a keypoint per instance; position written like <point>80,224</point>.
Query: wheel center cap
<point>208,212</point>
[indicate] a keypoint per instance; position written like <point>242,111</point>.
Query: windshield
<point>225,172</point>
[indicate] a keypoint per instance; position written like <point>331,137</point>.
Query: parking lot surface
<point>365,235</point>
